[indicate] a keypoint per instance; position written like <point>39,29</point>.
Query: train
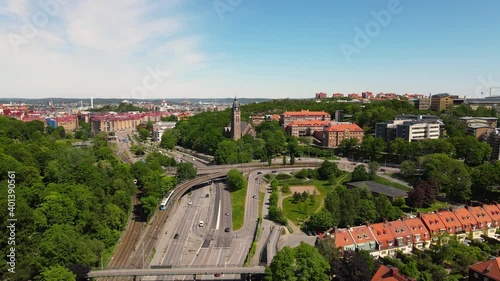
<point>165,201</point>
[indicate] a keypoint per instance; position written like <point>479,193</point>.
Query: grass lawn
<point>238,202</point>
<point>298,213</point>
<point>436,206</point>
<point>385,181</point>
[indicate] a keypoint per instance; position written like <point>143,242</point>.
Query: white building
<point>160,127</point>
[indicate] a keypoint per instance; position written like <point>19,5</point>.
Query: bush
<point>283,176</point>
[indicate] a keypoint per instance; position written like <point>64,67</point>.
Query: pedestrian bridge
<point>176,271</point>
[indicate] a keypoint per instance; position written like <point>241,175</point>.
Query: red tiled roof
<point>433,222</point>
<point>361,234</point>
<point>385,273</point>
<point>335,127</point>
<point>449,220</point>
<point>493,211</point>
<point>466,218</point>
<point>342,238</point>
<point>416,226</point>
<point>399,229</point>
<point>382,234</point>
<point>490,268</point>
<point>481,216</point>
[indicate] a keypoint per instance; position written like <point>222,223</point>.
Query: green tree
<point>303,263</point>
<point>451,175</point>
<point>321,220</point>
<point>327,170</point>
<point>186,171</point>
<point>144,134</point>
<point>226,152</point>
<point>373,167</point>
<point>168,140</point>
<point>360,174</point>
<point>235,180</point>
<point>57,273</point>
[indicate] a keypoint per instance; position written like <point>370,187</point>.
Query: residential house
<point>484,222</point>
<point>420,234</point>
<point>469,223</point>
<point>494,212</point>
<point>452,224</point>
<point>402,236</point>
<point>364,239</point>
<point>385,239</point>
<point>485,271</point>
<point>343,240</point>
<point>434,224</point>
<point>385,273</point>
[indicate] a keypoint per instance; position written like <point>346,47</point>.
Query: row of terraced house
<point>417,232</point>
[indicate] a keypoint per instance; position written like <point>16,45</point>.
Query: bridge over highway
<point>176,271</point>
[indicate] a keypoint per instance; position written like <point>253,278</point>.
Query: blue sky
<point>251,48</point>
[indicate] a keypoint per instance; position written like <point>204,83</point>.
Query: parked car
<point>176,236</point>
<point>227,229</point>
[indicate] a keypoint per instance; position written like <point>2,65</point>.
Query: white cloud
<point>102,48</point>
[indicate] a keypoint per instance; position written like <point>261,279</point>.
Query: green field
<point>299,212</point>
<point>238,202</point>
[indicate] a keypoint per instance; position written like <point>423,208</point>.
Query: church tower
<point>236,120</point>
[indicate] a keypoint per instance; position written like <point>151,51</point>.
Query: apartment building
<point>410,128</point>
<point>480,127</point>
<point>303,115</point>
<point>305,128</point>
<point>333,134</point>
<point>441,102</point>
<point>494,142</point>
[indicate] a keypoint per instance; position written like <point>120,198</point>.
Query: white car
<point>201,224</point>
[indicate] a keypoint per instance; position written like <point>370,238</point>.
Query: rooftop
<point>490,268</point>
<point>388,191</point>
<point>341,127</point>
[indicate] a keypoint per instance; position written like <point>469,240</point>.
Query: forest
<point>71,204</point>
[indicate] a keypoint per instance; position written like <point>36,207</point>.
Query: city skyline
<point>254,49</point>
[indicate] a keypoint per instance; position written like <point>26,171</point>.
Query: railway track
<point>136,246</point>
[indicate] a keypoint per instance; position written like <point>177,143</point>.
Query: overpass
<point>176,271</point>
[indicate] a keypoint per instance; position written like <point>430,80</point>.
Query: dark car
<point>314,233</point>
<point>308,233</point>
<point>176,236</point>
<point>274,172</point>
<point>259,173</point>
<point>227,229</point>
<point>217,274</point>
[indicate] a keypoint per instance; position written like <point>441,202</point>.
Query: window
<point>476,275</point>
